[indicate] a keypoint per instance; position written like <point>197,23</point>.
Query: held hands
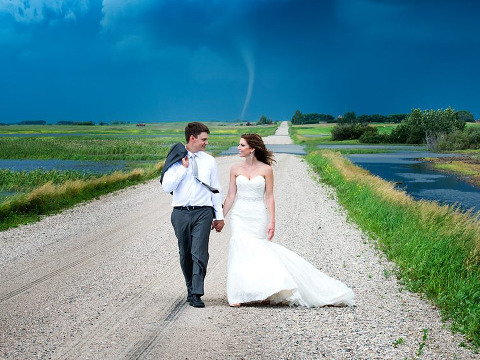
<point>271,231</point>
<point>218,225</point>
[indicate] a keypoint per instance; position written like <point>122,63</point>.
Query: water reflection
<point>418,179</point>
<point>381,147</point>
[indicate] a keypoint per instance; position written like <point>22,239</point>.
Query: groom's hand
<point>185,161</point>
<point>218,225</point>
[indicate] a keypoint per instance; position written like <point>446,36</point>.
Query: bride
<point>258,269</point>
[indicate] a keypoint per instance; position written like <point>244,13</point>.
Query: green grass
<point>40,193</point>
<point>436,248</point>
<point>85,148</point>
<point>314,129</point>
<point>385,128</point>
<point>24,181</point>
<point>363,151</point>
<point>298,132</point>
<point>473,124</point>
<point>50,198</point>
<point>174,129</point>
<point>121,143</point>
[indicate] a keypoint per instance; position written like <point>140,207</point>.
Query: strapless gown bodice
<point>249,214</point>
<point>259,269</point>
<point>250,189</point>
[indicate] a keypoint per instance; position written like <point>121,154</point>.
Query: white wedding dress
<point>259,269</point>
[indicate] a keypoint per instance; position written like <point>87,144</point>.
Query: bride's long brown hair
<point>261,152</point>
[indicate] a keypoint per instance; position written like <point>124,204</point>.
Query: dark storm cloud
<point>153,60</point>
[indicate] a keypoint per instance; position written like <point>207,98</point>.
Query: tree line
<point>299,119</point>
<point>349,117</point>
<point>440,130</point>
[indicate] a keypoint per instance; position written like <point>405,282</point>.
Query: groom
<point>191,175</point>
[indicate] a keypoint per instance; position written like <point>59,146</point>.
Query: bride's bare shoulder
<point>267,169</point>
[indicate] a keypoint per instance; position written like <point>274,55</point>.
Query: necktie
<point>194,166</point>
<point>195,175</point>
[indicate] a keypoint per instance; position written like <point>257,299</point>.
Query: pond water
<point>278,148</point>
<point>418,179</point>
<point>379,147</point>
<point>97,167</point>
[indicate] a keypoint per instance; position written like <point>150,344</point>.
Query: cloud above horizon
<point>35,11</point>
<point>149,60</point>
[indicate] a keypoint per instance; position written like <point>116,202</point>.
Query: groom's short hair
<point>195,128</point>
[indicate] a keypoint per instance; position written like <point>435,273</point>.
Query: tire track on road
<point>144,346</point>
<point>141,218</point>
<point>111,323</point>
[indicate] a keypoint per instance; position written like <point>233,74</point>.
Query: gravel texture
<point>102,281</point>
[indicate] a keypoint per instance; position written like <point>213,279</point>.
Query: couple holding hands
<point>258,270</point>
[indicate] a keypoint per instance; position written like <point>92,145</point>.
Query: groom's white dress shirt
<point>187,191</point>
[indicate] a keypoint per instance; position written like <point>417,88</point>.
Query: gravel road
<point>102,281</point>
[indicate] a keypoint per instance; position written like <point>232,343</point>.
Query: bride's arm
<point>270,200</point>
<point>232,192</point>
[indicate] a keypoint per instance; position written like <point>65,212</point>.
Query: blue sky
<point>221,60</point>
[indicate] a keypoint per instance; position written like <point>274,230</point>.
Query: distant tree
<point>264,120</point>
<point>371,136</point>
<point>297,118</point>
<point>465,116</point>
<point>469,138</point>
<point>329,118</point>
<point>349,117</point>
<point>314,118</point>
<point>33,122</point>
<point>372,118</point>
<point>86,123</point>
<point>348,131</point>
<point>317,118</point>
<point>363,119</point>
<point>426,126</point>
<point>397,118</point>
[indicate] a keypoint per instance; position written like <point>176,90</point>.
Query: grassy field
<point>313,135</point>
<point>171,129</point>
<point>321,133</point>
<point>126,142</point>
<point>436,248</point>
<point>466,167</point>
<point>41,192</point>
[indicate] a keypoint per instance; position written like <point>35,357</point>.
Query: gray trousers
<point>192,229</point>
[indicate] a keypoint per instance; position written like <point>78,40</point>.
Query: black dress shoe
<point>197,302</point>
<point>189,298</point>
